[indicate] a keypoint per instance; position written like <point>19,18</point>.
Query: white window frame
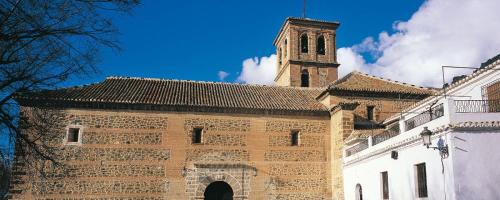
<point>80,135</point>
<point>415,169</point>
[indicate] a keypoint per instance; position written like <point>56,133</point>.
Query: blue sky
<point>194,40</point>
<point>404,40</point>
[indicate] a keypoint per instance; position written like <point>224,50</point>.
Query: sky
<point>231,41</point>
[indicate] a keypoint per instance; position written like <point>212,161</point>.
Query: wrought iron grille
<point>357,148</point>
<point>424,117</point>
<point>477,106</point>
<point>383,137</point>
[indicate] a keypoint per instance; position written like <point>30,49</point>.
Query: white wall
<point>401,173</point>
<point>476,164</point>
<point>470,174</point>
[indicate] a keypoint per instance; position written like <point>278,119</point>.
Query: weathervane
<point>304,10</point>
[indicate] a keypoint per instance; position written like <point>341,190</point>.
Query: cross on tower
<point>304,9</point>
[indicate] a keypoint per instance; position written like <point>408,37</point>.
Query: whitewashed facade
<point>467,118</point>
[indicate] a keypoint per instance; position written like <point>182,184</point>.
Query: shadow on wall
<point>4,180</point>
<point>487,192</point>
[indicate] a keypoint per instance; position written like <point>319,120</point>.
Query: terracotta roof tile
<point>187,93</point>
<point>357,81</point>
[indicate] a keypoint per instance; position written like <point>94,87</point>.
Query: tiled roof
<point>357,81</point>
<point>190,94</point>
<point>313,20</point>
<point>490,61</point>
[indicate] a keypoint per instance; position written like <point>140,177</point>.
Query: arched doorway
<point>359,192</point>
<point>218,190</point>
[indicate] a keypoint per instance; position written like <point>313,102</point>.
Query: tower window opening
<point>304,43</point>
<point>320,45</point>
<point>279,56</point>
<point>285,48</point>
<point>304,78</point>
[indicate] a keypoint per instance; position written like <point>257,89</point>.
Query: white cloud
<point>259,71</point>
<point>349,60</point>
<point>441,32</point>
<point>222,75</point>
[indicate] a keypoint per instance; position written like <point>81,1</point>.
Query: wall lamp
<point>426,135</point>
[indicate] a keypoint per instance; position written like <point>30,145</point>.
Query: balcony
<point>383,137</point>
<point>477,106</point>
<point>424,117</point>
<point>357,148</point>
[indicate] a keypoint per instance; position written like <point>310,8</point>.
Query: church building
<point>155,139</point>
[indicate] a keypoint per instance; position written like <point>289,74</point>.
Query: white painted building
<point>466,116</point>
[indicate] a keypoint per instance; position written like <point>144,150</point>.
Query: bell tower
<point>306,53</point>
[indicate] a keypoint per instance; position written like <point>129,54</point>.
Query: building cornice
<point>373,94</point>
<point>315,63</point>
<point>62,104</point>
<point>305,22</point>
<point>415,139</point>
<point>304,63</point>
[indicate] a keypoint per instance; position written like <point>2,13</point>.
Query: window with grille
<point>295,138</point>
<point>197,135</point>
<point>421,180</point>
<point>493,91</point>
<point>385,185</point>
<point>493,96</point>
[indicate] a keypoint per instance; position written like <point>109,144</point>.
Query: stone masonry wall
<point>121,156</point>
<point>128,155</point>
<point>302,168</point>
<point>383,107</point>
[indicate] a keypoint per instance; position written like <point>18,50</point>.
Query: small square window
<point>197,135</point>
<point>295,137</point>
<point>73,135</point>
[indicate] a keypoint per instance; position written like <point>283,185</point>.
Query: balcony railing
<point>477,106</point>
<point>424,117</point>
<point>357,148</point>
<point>383,137</point>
